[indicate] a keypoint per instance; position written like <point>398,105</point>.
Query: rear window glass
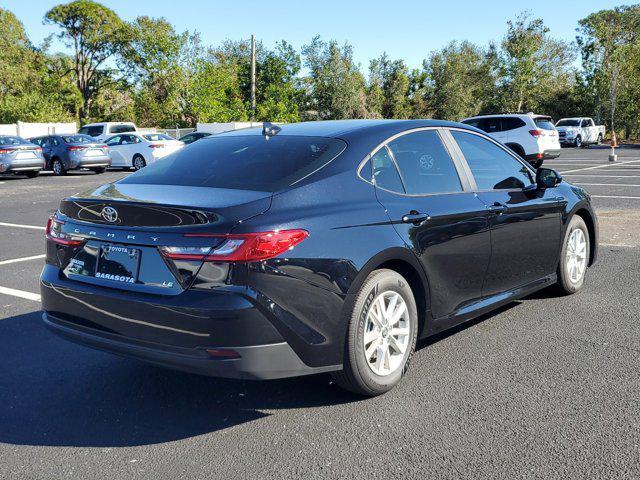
<point>544,123</point>
<point>568,123</point>
<point>155,137</point>
<point>242,162</point>
<point>91,131</point>
<point>122,128</point>
<point>78,139</point>
<point>11,140</point>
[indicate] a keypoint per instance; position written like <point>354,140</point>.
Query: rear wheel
<point>58,167</point>
<point>517,149</point>
<point>138,162</point>
<point>99,170</point>
<point>381,336</point>
<point>574,258</point>
<point>32,173</point>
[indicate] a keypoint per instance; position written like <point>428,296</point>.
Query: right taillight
<point>54,233</point>
<point>242,247</point>
<point>535,133</point>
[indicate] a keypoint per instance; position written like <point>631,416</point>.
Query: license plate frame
<point>118,263</point>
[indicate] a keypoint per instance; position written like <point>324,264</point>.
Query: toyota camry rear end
<point>170,265</point>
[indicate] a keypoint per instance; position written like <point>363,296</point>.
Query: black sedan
<point>311,247</point>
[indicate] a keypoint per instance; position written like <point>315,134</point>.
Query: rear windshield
<point>155,137</point>
<point>242,162</point>
<point>77,138</point>
<point>129,127</point>
<point>568,123</point>
<point>10,140</point>
<point>544,123</point>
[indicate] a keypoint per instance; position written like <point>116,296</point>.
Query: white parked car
<point>102,131</point>
<point>533,137</point>
<point>135,150</point>
<point>579,131</point>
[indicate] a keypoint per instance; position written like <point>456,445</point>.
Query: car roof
<point>342,128</point>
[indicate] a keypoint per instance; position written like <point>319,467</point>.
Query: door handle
<point>497,208</point>
<point>415,217</point>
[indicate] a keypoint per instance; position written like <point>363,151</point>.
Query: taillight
<point>535,133</point>
<point>5,150</point>
<point>54,233</point>
<point>245,247</point>
<point>39,149</point>
<point>75,149</point>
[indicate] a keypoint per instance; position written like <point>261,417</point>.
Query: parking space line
<point>16,225</point>
<point>609,184</point>
<point>602,166</point>
<point>615,196</point>
<point>20,293</point>
<point>23,259</point>
<point>595,175</point>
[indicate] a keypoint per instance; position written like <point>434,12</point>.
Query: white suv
<point>101,131</point>
<point>533,137</point>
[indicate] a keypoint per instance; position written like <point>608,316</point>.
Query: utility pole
<point>253,78</point>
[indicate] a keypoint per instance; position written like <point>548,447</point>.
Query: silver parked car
<point>20,156</point>
<point>73,151</point>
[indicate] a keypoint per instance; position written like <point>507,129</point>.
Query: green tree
<point>335,86</point>
<point>457,82</point>
<point>95,34</point>
<point>388,89</point>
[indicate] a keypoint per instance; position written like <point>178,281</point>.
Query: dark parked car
<point>193,136</point>
<point>72,152</point>
<point>311,247</point>
<point>20,156</point>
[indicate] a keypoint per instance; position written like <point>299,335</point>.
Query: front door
<point>436,215</point>
<point>525,221</point>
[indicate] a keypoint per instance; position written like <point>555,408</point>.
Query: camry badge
<point>110,214</point>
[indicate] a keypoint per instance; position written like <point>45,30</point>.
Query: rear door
<point>525,221</point>
<point>116,152</point>
<point>429,202</point>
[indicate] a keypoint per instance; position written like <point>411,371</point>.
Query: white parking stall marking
<point>23,259</point>
<point>16,225</point>
<point>615,196</point>
<point>603,176</point>
<point>602,166</point>
<point>20,293</point>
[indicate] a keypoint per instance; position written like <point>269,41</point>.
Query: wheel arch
<point>591,227</point>
<point>517,148</point>
<point>404,262</point>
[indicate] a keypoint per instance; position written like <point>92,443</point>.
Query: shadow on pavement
<point>56,393</point>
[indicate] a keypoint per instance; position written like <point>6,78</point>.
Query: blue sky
<point>407,29</point>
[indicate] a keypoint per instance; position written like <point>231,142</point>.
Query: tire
<point>138,162</point>
<point>58,167</point>
<point>577,142</point>
<point>99,170</point>
<point>568,282</point>
<point>536,163</point>
<point>32,173</point>
<point>599,140</point>
<point>517,149</point>
<point>359,374</point>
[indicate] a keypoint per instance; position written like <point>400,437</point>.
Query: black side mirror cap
<point>547,178</point>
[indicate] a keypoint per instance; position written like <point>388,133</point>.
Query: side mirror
<point>547,178</point>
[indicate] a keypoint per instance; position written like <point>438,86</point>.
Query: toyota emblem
<point>110,214</point>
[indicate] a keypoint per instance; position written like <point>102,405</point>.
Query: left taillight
<point>55,234</point>
<point>245,247</point>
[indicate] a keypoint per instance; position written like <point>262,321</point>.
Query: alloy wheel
<point>576,258</point>
<point>57,167</point>
<point>386,333</point>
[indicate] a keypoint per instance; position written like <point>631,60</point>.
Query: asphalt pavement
<point>547,387</point>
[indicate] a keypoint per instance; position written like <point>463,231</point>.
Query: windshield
<point>155,137</point>
<point>242,162</point>
<point>78,138</point>
<point>568,123</point>
<point>9,140</point>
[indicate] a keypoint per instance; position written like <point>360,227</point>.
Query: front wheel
<point>574,258</point>
<point>599,140</point>
<point>381,336</point>
<point>138,162</point>
<point>577,142</point>
<point>32,173</point>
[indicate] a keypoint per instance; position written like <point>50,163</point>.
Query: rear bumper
<point>257,362</point>
<point>22,166</point>
<point>176,331</point>
<point>91,162</point>
<point>545,155</point>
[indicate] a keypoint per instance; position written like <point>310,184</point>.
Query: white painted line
<point>15,225</point>
<point>23,259</point>
<point>601,166</point>
<point>613,196</point>
<point>595,175</point>
<point>20,293</point>
<point>616,245</point>
<point>608,184</point>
